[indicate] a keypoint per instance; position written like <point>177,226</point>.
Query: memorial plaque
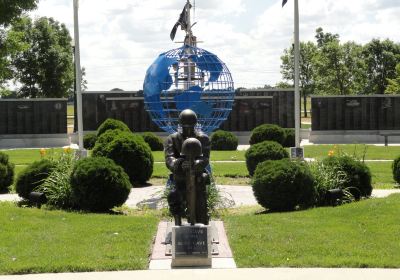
<point>297,153</point>
<point>191,241</point>
<point>191,245</point>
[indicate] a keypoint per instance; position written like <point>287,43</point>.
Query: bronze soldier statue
<point>188,168</point>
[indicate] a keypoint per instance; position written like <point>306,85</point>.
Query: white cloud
<point>120,39</point>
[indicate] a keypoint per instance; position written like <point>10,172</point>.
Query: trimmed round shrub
<point>132,154</point>
<point>267,150</point>
<point>103,140</point>
<point>98,184</point>
<point>89,140</point>
<point>283,185</point>
<point>6,172</point>
<point>358,175</point>
<point>155,143</point>
<point>111,124</point>
<point>32,176</point>
<point>267,132</point>
<point>224,141</point>
<point>290,138</point>
<point>396,170</point>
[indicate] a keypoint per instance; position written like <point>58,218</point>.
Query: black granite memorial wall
<point>33,116</point>
<point>251,108</point>
<point>369,112</point>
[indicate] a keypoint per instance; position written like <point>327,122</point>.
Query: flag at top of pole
<point>284,2</point>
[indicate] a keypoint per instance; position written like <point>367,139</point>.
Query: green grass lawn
<point>36,241</point>
<point>235,173</point>
<point>372,152</point>
<point>382,176</point>
<point>70,110</point>
<point>362,234</point>
<point>27,156</point>
<point>305,125</point>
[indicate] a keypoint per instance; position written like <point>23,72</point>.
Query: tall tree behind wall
<point>11,43</point>
<point>45,69</point>
<point>308,50</point>
<point>381,58</point>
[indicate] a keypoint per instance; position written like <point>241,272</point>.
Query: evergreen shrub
<point>155,143</point>
<point>111,124</point>
<point>103,140</point>
<point>6,172</point>
<point>132,154</point>
<point>283,185</point>
<point>396,170</point>
<point>89,140</point>
<point>33,176</point>
<point>98,184</point>
<point>267,150</point>
<point>357,173</point>
<point>290,138</point>
<point>267,132</point>
<point>224,141</point>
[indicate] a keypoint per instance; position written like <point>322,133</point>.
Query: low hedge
<point>224,141</point>
<point>290,138</point>
<point>6,172</point>
<point>32,176</point>
<point>89,140</point>
<point>357,173</point>
<point>131,153</point>
<point>267,132</point>
<point>155,143</point>
<point>396,170</point>
<point>267,150</point>
<point>103,140</point>
<point>112,124</point>
<point>98,184</point>
<point>283,185</point>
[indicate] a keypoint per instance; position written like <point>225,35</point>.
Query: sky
<point>120,39</point>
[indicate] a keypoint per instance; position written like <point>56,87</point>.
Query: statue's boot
<point>178,220</point>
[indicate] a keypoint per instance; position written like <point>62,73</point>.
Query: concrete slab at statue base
<point>221,254</point>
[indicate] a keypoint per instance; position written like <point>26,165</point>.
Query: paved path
<point>219,274</point>
<point>151,196</point>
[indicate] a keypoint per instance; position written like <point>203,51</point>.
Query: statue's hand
<point>198,166</point>
<point>186,165</point>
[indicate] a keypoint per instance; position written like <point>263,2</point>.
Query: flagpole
<point>296,73</point>
<point>78,77</point>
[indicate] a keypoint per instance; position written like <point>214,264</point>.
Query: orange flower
<point>42,152</point>
<point>67,150</point>
<point>331,153</point>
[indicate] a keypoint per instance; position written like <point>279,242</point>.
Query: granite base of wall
<point>354,136</point>
<point>13,141</point>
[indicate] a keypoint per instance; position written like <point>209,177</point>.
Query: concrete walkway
<point>239,195</point>
<point>220,274</point>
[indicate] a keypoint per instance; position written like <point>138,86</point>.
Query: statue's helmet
<point>191,148</point>
<point>187,118</point>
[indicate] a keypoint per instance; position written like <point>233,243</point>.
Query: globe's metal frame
<point>197,80</point>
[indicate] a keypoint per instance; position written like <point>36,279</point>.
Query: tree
<point>394,84</point>
<point>10,43</point>
<point>45,69</point>
<point>381,58</point>
<point>308,50</point>
<point>10,10</point>
<point>324,38</point>
<point>339,67</point>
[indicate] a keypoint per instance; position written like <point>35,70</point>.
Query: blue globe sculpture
<point>188,78</point>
